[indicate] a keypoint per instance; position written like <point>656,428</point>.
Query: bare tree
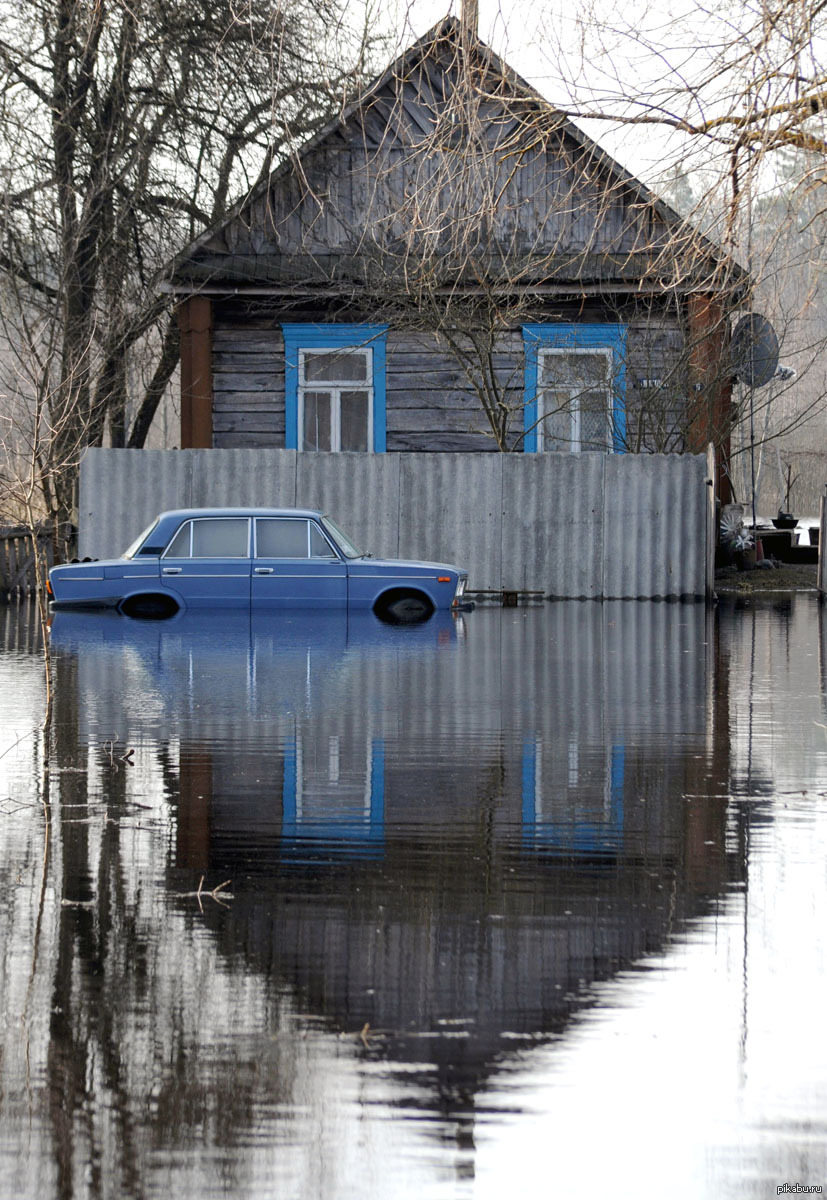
<point>35,467</point>
<point>734,98</point>
<point>125,128</point>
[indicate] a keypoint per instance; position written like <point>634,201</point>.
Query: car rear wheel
<point>149,608</point>
<point>404,608</point>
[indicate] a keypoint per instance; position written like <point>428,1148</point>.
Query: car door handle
<point>262,570</point>
<point>171,571</point>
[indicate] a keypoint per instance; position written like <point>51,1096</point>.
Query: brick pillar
<point>195,324</point>
<point>710,382</point>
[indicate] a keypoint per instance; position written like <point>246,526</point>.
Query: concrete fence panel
<point>655,525</point>
<point>450,510</point>
<point>265,478</point>
<point>552,535</point>
<point>121,491</point>
<point>362,497</point>
<point>565,525</point>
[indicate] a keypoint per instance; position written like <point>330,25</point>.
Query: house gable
<point>458,241</point>
<point>450,170</point>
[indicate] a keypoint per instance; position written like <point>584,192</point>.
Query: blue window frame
<point>334,387</point>
<point>347,813</point>
<point>588,410</point>
<point>571,822</point>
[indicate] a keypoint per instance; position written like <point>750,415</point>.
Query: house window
<point>335,399</point>
<point>574,388</point>
<point>335,387</point>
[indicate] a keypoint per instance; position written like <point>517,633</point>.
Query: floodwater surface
<point>523,902</point>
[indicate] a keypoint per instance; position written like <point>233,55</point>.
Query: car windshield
<point>132,550</point>
<point>343,541</point>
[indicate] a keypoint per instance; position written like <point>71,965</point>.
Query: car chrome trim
<point>206,574</point>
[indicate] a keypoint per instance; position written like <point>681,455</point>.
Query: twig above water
<point>214,893</point>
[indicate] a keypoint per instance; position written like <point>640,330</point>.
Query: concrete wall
<point>590,525</point>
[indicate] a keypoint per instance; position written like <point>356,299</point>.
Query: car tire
<point>149,608</point>
<point>404,608</point>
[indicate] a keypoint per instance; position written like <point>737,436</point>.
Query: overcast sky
<point>544,43</point>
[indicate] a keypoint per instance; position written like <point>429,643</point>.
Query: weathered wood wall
<point>467,173</point>
<point>431,405</point>
<point>248,378</point>
<point>383,177</point>
<point>17,567</point>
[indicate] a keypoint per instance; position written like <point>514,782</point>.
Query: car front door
<point>208,562</point>
<point>295,566</point>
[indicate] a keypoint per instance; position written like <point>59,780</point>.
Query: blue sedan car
<point>259,557</point>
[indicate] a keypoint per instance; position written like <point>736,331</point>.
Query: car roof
<point>183,514</point>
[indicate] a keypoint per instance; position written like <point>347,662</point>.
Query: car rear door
<point>208,562</point>
<point>295,566</point>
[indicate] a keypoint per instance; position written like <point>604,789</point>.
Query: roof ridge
<point>449,29</point>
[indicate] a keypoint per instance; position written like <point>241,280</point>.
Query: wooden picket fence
<point>17,573</point>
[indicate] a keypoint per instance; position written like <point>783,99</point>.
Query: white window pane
<point>319,545</point>
<point>574,368</point>
<point>594,421</point>
<point>179,547</point>
<point>575,390</point>
<point>281,538</point>
<point>335,366</point>
<point>354,418</point>
<point>317,421</point>
<point>558,425</point>
<point>226,538</point>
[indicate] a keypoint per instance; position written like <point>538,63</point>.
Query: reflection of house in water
<point>447,833</point>
<point>770,638</point>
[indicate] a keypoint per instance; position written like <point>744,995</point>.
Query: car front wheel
<point>149,608</point>
<point>404,608</point>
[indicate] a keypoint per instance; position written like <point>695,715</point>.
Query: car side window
<point>281,537</point>
<point>320,547</point>
<point>179,547</point>
<point>226,537</point>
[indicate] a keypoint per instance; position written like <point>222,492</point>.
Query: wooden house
<point>452,265</point>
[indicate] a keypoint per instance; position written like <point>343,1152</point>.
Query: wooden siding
<point>422,166</point>
<point>248,379</point>
<point>430,403</point>
<point>656,387</point>
<point>544,203</point>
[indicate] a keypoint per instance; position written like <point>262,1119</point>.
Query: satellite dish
<point>754,350</point>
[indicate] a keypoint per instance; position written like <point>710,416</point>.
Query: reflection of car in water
<point>319,725</point>
<point>254,558</point>
<point>419,826</point>
<point>295,712</point>
<point>242,633</point>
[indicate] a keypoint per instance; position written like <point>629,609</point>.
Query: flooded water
<point>528,902</point>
